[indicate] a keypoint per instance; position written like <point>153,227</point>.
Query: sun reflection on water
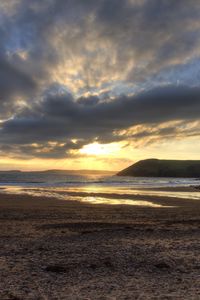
<point>101,200</point>
<point>83,195</point>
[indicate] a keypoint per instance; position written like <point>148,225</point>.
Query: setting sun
<point>99,149</point>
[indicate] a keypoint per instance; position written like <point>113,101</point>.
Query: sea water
<point>97,188</point>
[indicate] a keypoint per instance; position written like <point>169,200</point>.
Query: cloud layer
<point>73,72</point>
<point>48,128</point>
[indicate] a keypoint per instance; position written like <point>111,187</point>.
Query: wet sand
<point>53,249</point>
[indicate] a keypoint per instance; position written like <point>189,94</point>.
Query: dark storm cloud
<point>60,119</point>
<point>89,45</point>
<point>160,30</point>
<point>13,82</point>
<point>154,33</point>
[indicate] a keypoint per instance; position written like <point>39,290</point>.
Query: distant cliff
<point>163,168</point>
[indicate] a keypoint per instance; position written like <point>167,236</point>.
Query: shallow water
<point>97,189</point>
<point>64,179</point>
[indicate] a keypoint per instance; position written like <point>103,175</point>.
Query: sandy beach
<point>53,249</point>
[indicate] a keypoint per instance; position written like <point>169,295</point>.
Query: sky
<point>98,84</point>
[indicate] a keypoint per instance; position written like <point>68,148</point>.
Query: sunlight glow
<point>99,149</point>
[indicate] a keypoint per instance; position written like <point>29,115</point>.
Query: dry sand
<point>52,249</point>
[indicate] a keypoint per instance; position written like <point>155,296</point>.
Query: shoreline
<point>107,194</point>
<point>55,249</point>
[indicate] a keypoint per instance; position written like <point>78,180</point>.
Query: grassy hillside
<point>163,168</point>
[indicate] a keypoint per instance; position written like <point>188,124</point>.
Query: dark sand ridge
<point>52,249</point>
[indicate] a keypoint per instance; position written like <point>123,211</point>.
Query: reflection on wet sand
<point>179,192</point>
<point>96,195</point>
<point>108,201</point>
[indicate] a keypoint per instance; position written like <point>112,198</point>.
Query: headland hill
<point>163,168</point>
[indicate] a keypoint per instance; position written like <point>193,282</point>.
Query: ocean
<point>96,187</point>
